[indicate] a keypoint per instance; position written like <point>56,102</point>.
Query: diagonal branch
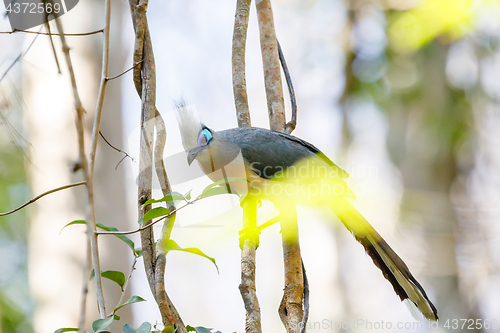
<point>42,195</point>
<point>52,34</point>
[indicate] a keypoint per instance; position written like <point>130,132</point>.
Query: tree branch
<point>166,306</point>
<point>52,34</point>
<point>238,62</point>
<point>145,84</point>
<point>42,195</point>
<point>92,244</point>
<point>118,150</point>
<point>247,286</point>
<point>149,224</point>
<point>128,70</point>
<point>270,59</point>
<point>290,309</point>
<point>290,126</point>
<point>18,59</point>
<point>248,266</point>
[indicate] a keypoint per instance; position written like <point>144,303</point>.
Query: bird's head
<point>204,139</point>
<point>195,136</point>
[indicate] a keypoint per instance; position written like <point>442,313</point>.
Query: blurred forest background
<point>402,94</point>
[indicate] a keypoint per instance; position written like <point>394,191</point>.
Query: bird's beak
<point>193,153</point>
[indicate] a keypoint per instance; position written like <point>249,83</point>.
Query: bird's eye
<point>204,138</point>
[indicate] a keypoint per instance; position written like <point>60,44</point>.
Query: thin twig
<point>42,195</point>
<point>85,290</point>
<point>269,223</point>
<point>82,164</point>
<point>19,57</point>
<point>52,34</point>
<point>305,317</point>
<point>47,25</point>
<point>290,126</point>
<point>93,149</point>
<point>149,224</point>
<point>128,70</point>
<point>118,150</point>
<point>124,289</point>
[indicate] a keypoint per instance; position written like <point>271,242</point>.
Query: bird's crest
<point>189,123</point>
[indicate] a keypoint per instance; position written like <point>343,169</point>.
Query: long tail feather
<point>392,266</point>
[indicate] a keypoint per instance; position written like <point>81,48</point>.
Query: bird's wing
<point>260,148</point>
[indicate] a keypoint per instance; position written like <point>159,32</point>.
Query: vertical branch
<point>145,83</point>
<point>87,169</point>
<point>290,310</point>
<point>270,59</point>
<point>168,311</point>
<point>248,266</point>
<point>247,286</point>
<point>238,62</point>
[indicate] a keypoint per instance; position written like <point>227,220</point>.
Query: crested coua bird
<point>286,170</point>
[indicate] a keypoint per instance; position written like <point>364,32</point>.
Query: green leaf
<point>133,299</point>
<point>228,180</point>
<point>208,192</point>
<point>101,324</point>
<point>124,238</point>
<point>173,246</point>
<point>216,190</point>
<point>72,223</point>
<point>144,328</point>
<point>200,329</point>
<point>169,329</point>
<point>155,212</point>
<point>188,194</point>
<point>170,198</point>
<point>115,276</point>
<point>66,329</point>
<point>128,329</point>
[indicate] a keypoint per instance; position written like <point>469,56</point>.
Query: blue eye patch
<point>204,134</point>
